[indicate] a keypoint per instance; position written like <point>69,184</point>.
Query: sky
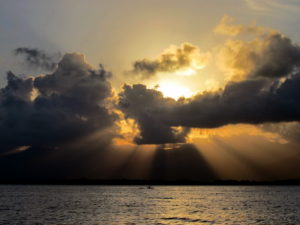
<point>136,89</point>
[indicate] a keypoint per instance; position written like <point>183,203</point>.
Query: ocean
<point>59,204</point>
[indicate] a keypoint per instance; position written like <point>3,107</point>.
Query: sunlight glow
<point>174,90</point>
<point>186,72</point>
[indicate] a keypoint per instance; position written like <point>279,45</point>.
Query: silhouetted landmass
<point>147,182</point>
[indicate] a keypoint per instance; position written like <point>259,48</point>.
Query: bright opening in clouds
<point>174,90</point>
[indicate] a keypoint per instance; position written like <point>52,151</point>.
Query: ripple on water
<point>186,219</point>
<point>116,205</point>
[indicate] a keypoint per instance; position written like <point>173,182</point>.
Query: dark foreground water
<point>139,205</point>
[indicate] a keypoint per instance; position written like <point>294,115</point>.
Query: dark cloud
<point>38,58</point>
<point>249,101</point>
<point>171,60</point>
<point>279,58</point>
<point>53,110</point>
<point>145,105</point>
<point>17,88</point>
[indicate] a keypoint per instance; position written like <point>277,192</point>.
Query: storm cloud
<point>145,105</point>
<point>55,109</point>
<point>37,58</point>
<point>251,101</point>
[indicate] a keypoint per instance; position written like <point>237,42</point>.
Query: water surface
<point>21,204</point>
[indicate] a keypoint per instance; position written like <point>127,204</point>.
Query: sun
<point>174,90</point>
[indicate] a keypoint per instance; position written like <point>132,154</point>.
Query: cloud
<point>227,28</point>
<point>288,130</point>
<point>71,104</point>
<point>144,106</point>
<point>174,59</point>
<point>271,56</point>
<point>255,5</point>
<point>249,101</point>
<point>37,58</point>
<point>269,5</point>
<point>263,89</point>
<point>68,116</point>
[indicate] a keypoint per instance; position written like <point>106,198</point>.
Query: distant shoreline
<point>149,182</point>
